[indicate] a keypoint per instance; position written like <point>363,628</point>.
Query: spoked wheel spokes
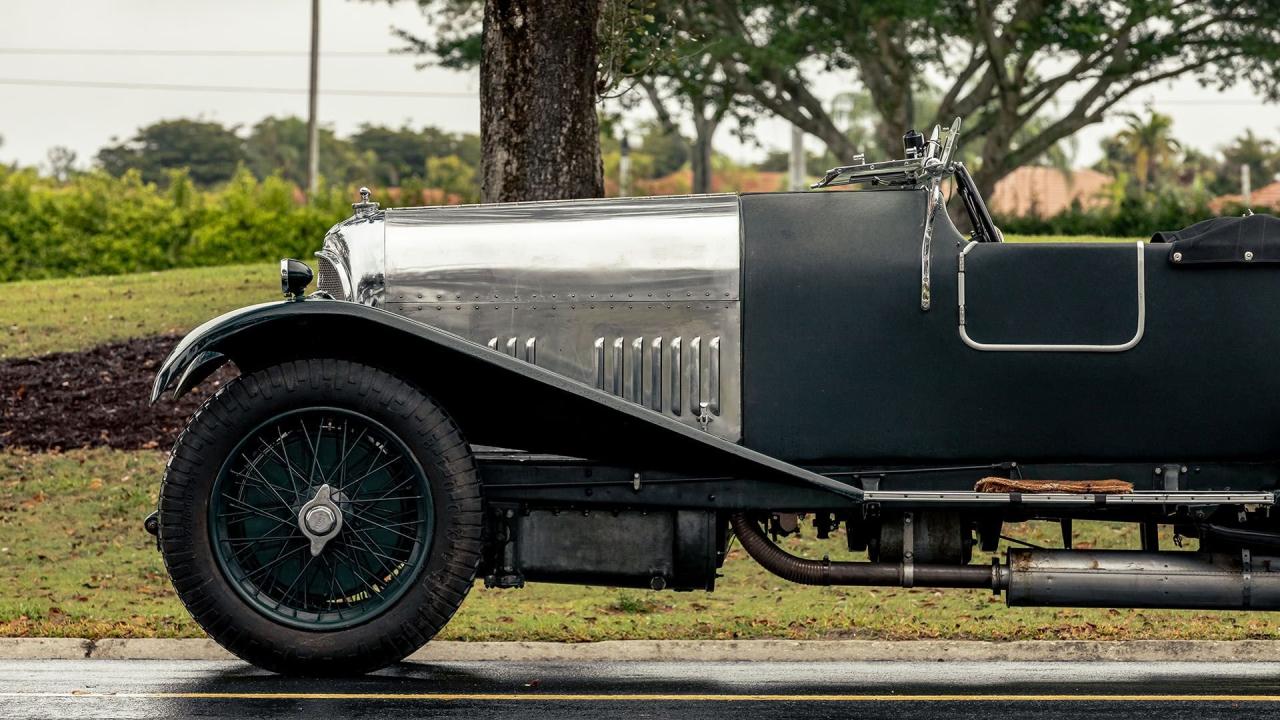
<point>321,518</point>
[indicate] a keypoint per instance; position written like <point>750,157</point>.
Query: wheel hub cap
<point>320,519</point>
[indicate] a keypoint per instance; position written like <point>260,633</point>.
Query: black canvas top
<point>1245,240</point>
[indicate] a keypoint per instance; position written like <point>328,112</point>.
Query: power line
<point>1196,101</point>
<point>132,52</point>
<point>240,89</point>
<point>173,87</point>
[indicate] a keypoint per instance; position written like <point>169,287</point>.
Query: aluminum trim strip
<point>617,367</point>
<point>1032,347</point>
<point>637,371</point>
<point>676,377</point>
<point>1137,498</point>
<point>714,352</point>
<point>655,371</point>
<point>695,375</point>
<point>598,347</point>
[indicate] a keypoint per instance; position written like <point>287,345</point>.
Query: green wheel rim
<point>379,489</point>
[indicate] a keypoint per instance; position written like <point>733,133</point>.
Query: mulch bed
<point>95,397</point>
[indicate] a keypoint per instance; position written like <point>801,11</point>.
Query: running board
<point>1208,497</point>
<point>968,497</point>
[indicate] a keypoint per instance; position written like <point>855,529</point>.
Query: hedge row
<point>95,224</point>
<point>1131,216</point>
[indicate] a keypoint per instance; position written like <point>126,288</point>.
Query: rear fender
<point>497,399</point>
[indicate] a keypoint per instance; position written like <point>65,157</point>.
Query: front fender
<point>200,353</point>
<point>497,399</point>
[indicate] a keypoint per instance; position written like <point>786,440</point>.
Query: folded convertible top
<point>1248,239</point>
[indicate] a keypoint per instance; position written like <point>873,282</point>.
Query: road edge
<point>701,650</point>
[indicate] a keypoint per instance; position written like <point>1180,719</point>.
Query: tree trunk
<point>701,162</point>
<point>888,71</point>
<point>985,179</point>
<point>539,134</point>
<point>700,157</point>
<point>897,117</point>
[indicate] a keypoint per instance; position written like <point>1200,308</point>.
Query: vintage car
<point>610,391</point>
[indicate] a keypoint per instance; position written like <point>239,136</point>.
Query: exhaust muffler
<point>1124,578</point>
<point>1054,578</point>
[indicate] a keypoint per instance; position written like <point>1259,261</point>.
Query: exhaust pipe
<point>1054,578</point>
<point>1125,578</point>
<point>826,572</point>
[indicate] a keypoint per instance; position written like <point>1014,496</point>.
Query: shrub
<point>1131,214</point>
<point>96,224</point>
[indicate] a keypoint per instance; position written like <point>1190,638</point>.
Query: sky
<point>263,44</point>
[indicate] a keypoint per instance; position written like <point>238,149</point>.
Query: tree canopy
<point>1144,149</point>
<point>401,153</point>
<point>1025,74</point>
<point>279,145</point>
<point>1005,65</point>
<point>374,155</point>
<point>210,151</point>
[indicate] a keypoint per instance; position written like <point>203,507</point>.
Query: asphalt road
<point>952,690</point>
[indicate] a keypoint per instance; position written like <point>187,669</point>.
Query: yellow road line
<point>649,697</point>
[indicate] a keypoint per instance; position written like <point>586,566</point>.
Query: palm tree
<point>1260,154</point>
<point>1149,145</point>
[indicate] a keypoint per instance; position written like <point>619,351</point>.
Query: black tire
<point>430,599</point>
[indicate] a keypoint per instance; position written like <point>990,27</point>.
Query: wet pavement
<point>953,690</point>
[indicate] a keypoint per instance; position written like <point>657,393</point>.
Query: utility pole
<point>624,168</point>
<point>795,164</point>
<point>313,127</point>
<point>1246,189</point>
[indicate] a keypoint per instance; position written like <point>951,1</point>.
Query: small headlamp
<point>295,276</point>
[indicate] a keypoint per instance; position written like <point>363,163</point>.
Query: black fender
<point>497,399</point>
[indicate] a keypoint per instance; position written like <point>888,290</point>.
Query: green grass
<point>1071,238</point>
<point>75,562</point>
<point>41,316</point>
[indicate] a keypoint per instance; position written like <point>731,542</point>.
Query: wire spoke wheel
<point>321,518</point>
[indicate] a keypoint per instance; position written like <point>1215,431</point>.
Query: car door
<point>1052,297</point>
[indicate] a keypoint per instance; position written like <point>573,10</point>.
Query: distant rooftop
<point>1046,191</point>
<point>1266,197</point>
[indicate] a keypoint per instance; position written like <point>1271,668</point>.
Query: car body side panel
<point>840,363</point>
<point>638,297</point>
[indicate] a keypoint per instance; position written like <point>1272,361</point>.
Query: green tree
<point>210,151</point>
<point>669,149</point>
<point>1145,150</point>
<point>1201,171</point>
<point>453,176</point>
<point>689,84</point>
<point>539,80</point>
<point>1003,64</point>
<point>279,145</point>
<point>543,65</point>
<point>780,161</point>
<point>62,162</point>
<point>401,153</point>
<point>1260,154</point>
